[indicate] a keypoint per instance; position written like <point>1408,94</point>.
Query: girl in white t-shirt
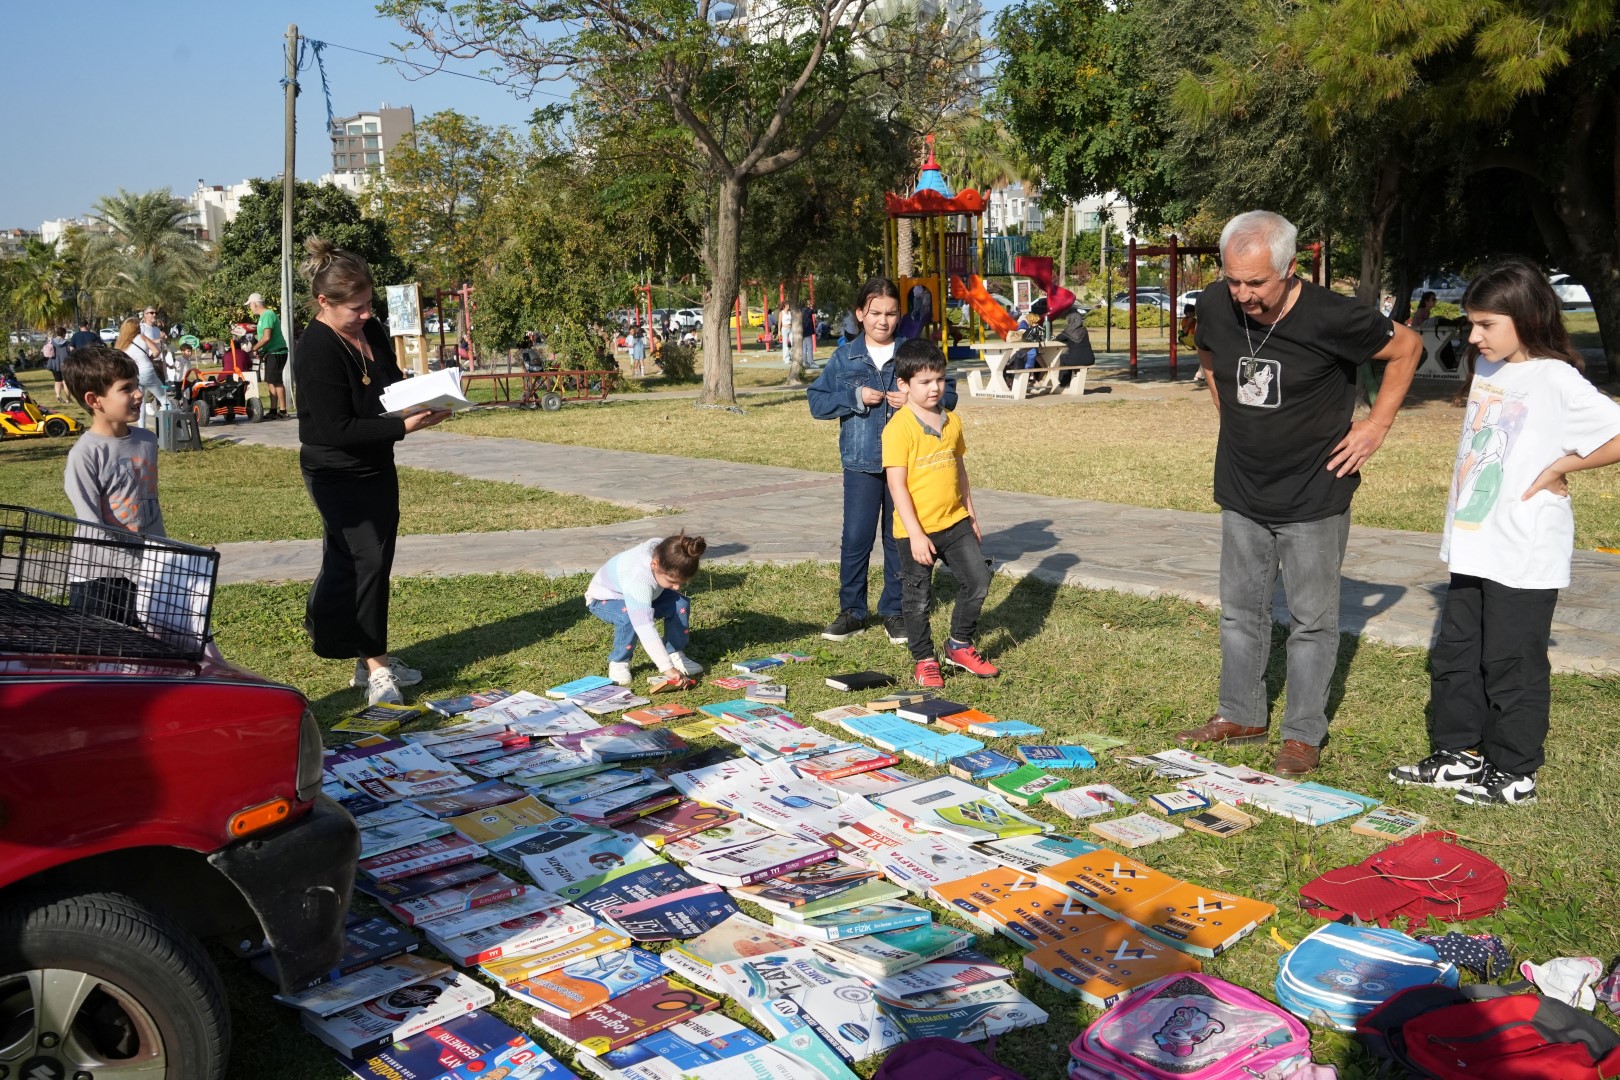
<point>638,588</point>
<point>1532,419</point>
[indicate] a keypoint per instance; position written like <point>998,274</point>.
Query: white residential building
<point>213,206</point>
<point>1013,206</point>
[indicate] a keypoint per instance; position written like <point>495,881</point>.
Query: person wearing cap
<point>272,348</point>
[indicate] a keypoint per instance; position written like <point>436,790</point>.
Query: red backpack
<point>1430,875</point>
<point>1449,1033</point>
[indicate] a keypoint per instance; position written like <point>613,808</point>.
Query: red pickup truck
<point>150,798</point>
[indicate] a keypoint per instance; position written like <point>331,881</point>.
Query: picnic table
<point>994,380</point>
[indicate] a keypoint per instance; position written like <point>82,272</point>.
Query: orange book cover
<point>963,720</point>
<point>1106,963</point>
<point>1015,904</point>
<point>1107,880</point>
<point>1204,922</point>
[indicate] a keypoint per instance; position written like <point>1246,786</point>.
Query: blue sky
<point>142,94</point>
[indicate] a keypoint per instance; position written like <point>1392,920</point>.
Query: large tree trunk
<point>1386,196</point>
<point>724,243</point>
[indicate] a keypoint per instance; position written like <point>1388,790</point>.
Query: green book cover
<point>1028,785</point>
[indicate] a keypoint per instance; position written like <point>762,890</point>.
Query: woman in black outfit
<point>343,362</point>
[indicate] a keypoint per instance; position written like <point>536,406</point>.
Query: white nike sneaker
<point>383,689</point>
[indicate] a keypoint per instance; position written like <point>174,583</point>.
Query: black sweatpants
<point>347,612</point>
<point>1490,680</point>
<point>957,548</point>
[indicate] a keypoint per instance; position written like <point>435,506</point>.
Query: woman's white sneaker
<point>403,676</point>
<point>382,688</point>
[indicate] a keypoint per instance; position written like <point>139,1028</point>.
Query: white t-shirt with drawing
<point>1521,418</point>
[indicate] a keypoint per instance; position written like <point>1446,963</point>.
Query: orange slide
<point>977,297</point>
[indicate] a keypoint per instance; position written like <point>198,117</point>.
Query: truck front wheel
<point>99,985</point>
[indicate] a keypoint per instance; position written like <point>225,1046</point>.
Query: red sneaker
<point>968,659</point>
<point>928,676</point>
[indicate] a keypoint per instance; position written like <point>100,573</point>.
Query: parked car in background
<point>1571,293</point>
<point>109,334</point>
<point>1186,302</point>
<point>690,318</point>
<point>1149,297</point>
<point>1447,288</point>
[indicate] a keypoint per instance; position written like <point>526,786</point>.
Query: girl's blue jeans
<point>672,608</point>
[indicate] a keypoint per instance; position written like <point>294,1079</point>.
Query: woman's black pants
<point>347,612</point>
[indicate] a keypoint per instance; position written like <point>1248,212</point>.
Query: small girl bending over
<point>1532,419</point>
<point>641,585</point>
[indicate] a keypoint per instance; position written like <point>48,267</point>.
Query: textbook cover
<point>375,1025</point>
<point>691,1048</point>
<point>455,706</point>
<point>362,986</point>
<point>677,916</point>
<point>785,991</point>
<point>1031,853</point>
<point>1107,881</point>
<point>875,891</point>
<point>1005,729</point>
<point>365,942</point>
<point>465,801</point>
<point>756,860</point>
<point>402,772</point>
<point>1028,785</point>
<point>677,822</point>
<point>1017,906</point>
<point>896,951</point>
<point>567,690</point>
<point>1221,820</point>
<point>495,823</point>
<point>1106,963</point>
<point>842,763</point>
<point>876,782</point>
<point>585,984</point>
<point>419,858</point>
<point>416,885</point>
<point>640,883</point>
<point>631,1016</point>
<point>568,792</point>
<point>927,861</point>
<point>1180,801</point>
<point>445,1052</point>
<point>483,892</point>
<point>657,714</point>
<point>517,937</point>
<point>1388,823</point>
<point>855,922</point>
<point>380,719</point>
<point>1089,800</point>
<point>977,1012</point>
<point>739,937</point>
<point>981,765</point>
<point>808,886</point>
<point>398,834</point>
<point>957,972</point>
<point>514,969</point>
<point>1058,757</point>
<point>937,749</point>
<point>469,919</point>
<point>1204,922</point>
<point>929,709</point>
<point>965,719</point>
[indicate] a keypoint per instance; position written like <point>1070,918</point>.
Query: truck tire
<point>131,985</point>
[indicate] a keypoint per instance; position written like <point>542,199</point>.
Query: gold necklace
<point>359,357</point>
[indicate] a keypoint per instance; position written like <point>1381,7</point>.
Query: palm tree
<point>34,287</point>
<point>144,257</point>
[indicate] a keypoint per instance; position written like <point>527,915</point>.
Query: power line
<point>430,69</point>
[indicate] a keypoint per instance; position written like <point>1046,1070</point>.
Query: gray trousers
<point>1310,554</point>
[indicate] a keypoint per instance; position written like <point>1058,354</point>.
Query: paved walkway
<point>763,514</point>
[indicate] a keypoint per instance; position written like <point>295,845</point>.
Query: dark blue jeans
<point>673,609</point>
<point>867,510</point>
<point>957,548</point>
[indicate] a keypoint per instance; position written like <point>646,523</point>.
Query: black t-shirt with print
<point>1286,404</point>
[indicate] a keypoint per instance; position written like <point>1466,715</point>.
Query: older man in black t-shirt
<point>1280,356</point>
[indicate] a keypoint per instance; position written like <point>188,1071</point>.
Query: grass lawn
<point>1158,454</point>
<point>231,492</point>
<point>1074,660</point>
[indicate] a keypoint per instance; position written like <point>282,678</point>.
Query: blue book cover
<point>937,749</point>
<point>674,917</point>
<point>583,985</point>
<point>981,765</point>
<point>475,1045</point>
<point>1367,801</point>
<point>897,735</point>
<point>578,686</point>
<point>754,667</point>
<point>734,707</point>
<point>646,883</point>
<point>689,1045</point>
<point>856,922</point>
<point>1006,729</point>
<point>1058,757</point>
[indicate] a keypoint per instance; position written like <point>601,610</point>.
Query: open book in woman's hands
<point>437,390</point>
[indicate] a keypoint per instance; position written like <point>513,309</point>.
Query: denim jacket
<point>835,395</point>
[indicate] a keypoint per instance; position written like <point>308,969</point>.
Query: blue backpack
<point>1340,973</point>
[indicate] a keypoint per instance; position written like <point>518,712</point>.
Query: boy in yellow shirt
<point>933,514</point>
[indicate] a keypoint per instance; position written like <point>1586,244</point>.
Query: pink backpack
<point>1191,1027</point>
<point>941,1059</point>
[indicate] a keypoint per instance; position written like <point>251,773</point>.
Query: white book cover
<point>876,834</point>
<point>592,854</point>
<point>405,772</point>
<point>728,835</point>
<point>741,864</point>
<point>388,815</point>
<point>515,937</point>
<point>920,799</point>
<point>458,923</point>
<point>786,990</point>
<point>400,1014</point>
<point>453,733</point>
<point>535,763</point>
<point>1088,800</point>
<point>436,390</point>
<point>1307,805</point>
<point>876,782</point>
<point>946,973</point>
<point>966,1016</point>
<point>923,863</point>
<point>710,783</point>
<point>398,834</point>
<point>1136,830</point>
<point>1032,853</point>
<point>364,985</point>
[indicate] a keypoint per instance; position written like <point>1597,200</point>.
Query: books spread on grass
<point>887,954</point>
<point>436,390</point>
<point>588,856</point>
<point>854,922</point>
<point>483,892</point>
<point>398,834</point>
<point>365,942</point>
<point>708,783</point>
<point>920,799</point>
<point>469,919</point>
<point>1017,905</point>
<point>767,740</point>
<point>1219,820</point>
<point>799,1056</point>
<point>465,801</point>
<point>890,702</point>
<point>756,860</point>
<point>495,823</point>
<point>640,1012</point>
<point>605,700</point>
<point>1005,729</point>
<point>657,714</point>
<point>1204,922</point>
<point>520,966</point>
<point>1180,801</point>
<point>772,693</point>
<point>787,990</point>
<point>477,1042</point>
<point>926,861</point>
<point>1031,853</point>
<point>564,691</point>
<point>965,719</point>
<point>734,682</point>
<point>808,886</point>
<point>1312,804</point>
<point>677,822</point>
<point>888,732</point>
<point>674,917</point>
<point>515,937</point>
<point>1106,880</point>
<point>801,808</point>
<point>689,1049</point>
<point>967,1015</point>
<point>731,834</point>
<point>876,782</point>
<point>637,744</point>
<point>958,972</point>
<point>1167,769</point>
<point>453,733</point>
<point>928,710</point>
<point>552,836</point>
<point>568,792</point>
<point>754,667</point>
<point>739,937</point>
<point>1089,800</point>
<point>844,763</point>
<point>455,706</point>
<point>1028,785</point>
<point>531,714</point>
<point>583,985</point>
<point>646,882</point>
<point>874,891</point>
<point>981,765</point>
<point>937,749</point>
<point>384,814</point>
<point>401,889</point>
<point>1106,963</point>
<point>380,719</point>
<point>419,858</point>
<point>402,771</point>
<point>361,986</point>
<point>633,798</point>
<point>544,766</point>
<point>989,817</point>
<point>373,1026</point>
<point>1388,823</point>
<point>1058,757</point>
<point>843,712</point>
<point>1135,831</point>
<point>1097,742</point>
<point>860,680</point>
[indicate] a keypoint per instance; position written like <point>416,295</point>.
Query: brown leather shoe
<point>1296,758</point>
<point>1218,729</point>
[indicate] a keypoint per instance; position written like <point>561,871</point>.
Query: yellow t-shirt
<point>930,462</point>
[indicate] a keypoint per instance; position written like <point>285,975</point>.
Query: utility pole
<point>1108,300</point>
<point>288,177</point>
<point>1063,249</point>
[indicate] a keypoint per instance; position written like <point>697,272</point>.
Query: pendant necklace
<point>359,360</point>
<point>1250,340</point>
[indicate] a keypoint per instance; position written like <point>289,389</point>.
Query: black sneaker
<point>895,627</point>
<point>846,625</point>
<point>1442,769</point>
<point>1498,788</point>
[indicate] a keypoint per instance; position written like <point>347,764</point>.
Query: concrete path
<point>1393,580</point>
